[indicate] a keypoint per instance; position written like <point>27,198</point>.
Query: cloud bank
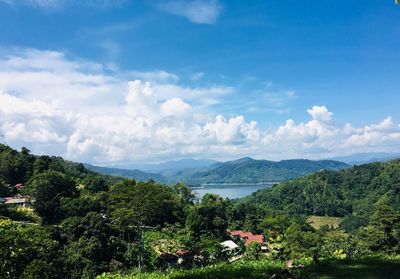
<point>84,111</point>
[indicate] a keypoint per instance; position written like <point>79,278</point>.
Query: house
<point>229,246</point>
<point>18,200</point>
<point>19,186</point>
<point>248,237</point>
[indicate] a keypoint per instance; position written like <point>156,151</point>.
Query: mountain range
<point>134,174</point>
<point>245,170</point>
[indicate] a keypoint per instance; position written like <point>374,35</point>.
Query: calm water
<point>230,191</point>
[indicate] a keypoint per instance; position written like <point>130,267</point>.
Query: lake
<point>233,191</point>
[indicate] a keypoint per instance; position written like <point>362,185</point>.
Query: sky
<point>127,82</point>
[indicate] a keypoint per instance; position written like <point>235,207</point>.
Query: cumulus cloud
<point>56,104</point>
<point>320,113</point>
<point>196,11</point>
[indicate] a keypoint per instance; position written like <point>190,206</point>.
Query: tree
<point>351,223</point>
<point>95,183</point>
<point>4,191</point>
<point>253,251</point>
<point>275,224</point>
<point>385,227</point>
<point>48,189</point>
<point>144,203</point>
<point>208,218</point>
<point>300,243</point>
<point>23,247</point>
<point>15,167</point>
<point>90,245</point>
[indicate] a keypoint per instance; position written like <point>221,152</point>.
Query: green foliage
<point>4,190</point>
<point>144,203</point>
<point>350,223</point>
<point>236,270</point>
<point>253,251</point>
<point>93,223</point>
<point>15,167</point>
<point>48,189</point>
<point>23,248</point>
<point>208,217</point>
<point>302,243</point>
<point>327,193</point>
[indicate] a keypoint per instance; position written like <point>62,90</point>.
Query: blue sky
<point>257,63</point>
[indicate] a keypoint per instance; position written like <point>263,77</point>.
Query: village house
<point>229,246</point>
<point>248,237</point>
<point>18,200</point>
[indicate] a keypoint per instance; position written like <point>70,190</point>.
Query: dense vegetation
<point>354,191</point>
<point>84,224</point>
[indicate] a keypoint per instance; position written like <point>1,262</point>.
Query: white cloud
<point>158,76</point>
<point>320,113</point>
<point>175,106</point>
<point>56,104</point>
<point>235,130</point>
<point>196,11</point>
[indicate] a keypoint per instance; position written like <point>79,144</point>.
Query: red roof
<point>255,238</point>
<point>236,233</point>
<point>182,252</point>
<point>248,237</point>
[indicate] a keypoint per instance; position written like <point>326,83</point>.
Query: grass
<point>237,270</point>
<point>247,269</point>
<point>318,221</point>
<point>366,269</point>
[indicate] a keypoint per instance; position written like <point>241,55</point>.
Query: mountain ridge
<point>248,170</point>
<point>243,170</point>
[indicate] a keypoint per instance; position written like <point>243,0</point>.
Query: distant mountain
<point>135,174</point>
<point>365,158</point>
<point>248,170</point>
<point>178,165</point>
<point>244,170</point>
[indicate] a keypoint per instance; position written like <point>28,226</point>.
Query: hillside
<point>248,170</point>
<point>134,174</point>
<point>69,222</point>
<point>350,191</point>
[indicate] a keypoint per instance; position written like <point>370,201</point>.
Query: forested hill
<point>134,174</point>
<point>336,193</point>
<point>20,166</point>
<point>248,170</point>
